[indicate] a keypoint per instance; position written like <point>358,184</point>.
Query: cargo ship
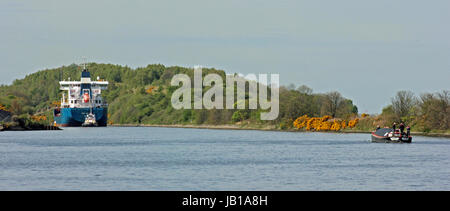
<point>83,104</point>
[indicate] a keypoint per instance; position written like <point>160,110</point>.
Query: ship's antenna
<point>84,63</point>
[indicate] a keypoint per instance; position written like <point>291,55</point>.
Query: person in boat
<point>378,127</point>
<point>402,128</point>
<point>408,131</point>
<point>394,126</point>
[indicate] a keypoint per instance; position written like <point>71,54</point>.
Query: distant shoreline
<point>266,128</point>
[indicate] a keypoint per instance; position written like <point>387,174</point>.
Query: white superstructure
<point>84,93</point>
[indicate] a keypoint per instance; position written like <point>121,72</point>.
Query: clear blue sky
<point>367,50</point>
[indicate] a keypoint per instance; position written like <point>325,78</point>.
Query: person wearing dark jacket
<point>402,128</point>
<point>408,131</point>
<point>394,126</point>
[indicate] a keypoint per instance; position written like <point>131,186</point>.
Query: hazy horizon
<point>365,50</point>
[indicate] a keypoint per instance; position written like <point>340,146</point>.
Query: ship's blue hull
<point>73,117</point>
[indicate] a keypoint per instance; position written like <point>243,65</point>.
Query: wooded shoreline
<point>142,96</point>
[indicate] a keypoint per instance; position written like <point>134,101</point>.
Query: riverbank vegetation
<point>429,113</point>
<point>142,96</point>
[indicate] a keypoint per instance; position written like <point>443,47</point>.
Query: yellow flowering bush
<point>150,89</point>
<point>56,104</point>
<point>325,123</point>
<point>364,115</point>
<point>301,121</point>
<point>313,123</point>
<point>336,126</point>
<point>110,122</point>
<point>325,118</point>
<point>343,124</point>
<point>2,107</point>
<point>324,126</point>
<point>39,118</point>
<point>352,123</point>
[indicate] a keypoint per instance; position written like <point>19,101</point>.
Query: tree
<point>332,102</point>
<point>346,109</point>
<point>435,110</point>
<point>305,90</point>
<point>444,107</point>
<point>295,104</point>
<point>16,107</point>
<point>402,103</point>
<point>290,87</point>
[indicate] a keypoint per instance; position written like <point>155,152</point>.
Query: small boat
<point>89,121</point>
<point>388,135</point>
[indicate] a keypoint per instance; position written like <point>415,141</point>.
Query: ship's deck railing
<point>82,105</point>
<point>67,83</point>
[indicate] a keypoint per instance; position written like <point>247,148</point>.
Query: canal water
<point>153,158</point>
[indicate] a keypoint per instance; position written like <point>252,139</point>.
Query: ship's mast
<point>90,94</point>
<point>84,59</point>
<point>84,65</point>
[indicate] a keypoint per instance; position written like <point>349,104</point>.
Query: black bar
<point>222,199</point>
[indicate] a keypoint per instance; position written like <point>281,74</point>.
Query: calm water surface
<point>146,158</point>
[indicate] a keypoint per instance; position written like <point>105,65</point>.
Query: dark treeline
<point>143,96</point>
